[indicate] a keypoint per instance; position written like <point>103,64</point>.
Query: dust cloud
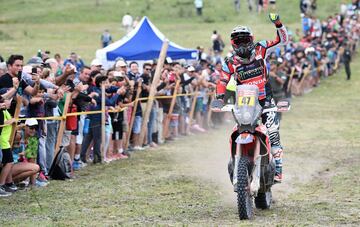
<point>205,156</point>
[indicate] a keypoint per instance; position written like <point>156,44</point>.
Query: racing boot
<point>277,153</point>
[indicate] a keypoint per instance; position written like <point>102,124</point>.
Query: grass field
<point>185,182</point>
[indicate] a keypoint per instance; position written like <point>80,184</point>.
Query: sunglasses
<point>33,128</point>
<point>148,69</point>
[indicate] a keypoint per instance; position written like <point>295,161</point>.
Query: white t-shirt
<point>127,20</point>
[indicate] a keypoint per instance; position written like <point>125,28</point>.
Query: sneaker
<point>278,178</point>
<point>107,160</point>
<point>10,187</point>
<point>154,145</point>
<point>76,165</point>
<point>197,127</point>
<point>41,183</point>
<point>3,192</point>
<point>138,148</point>
<point>127,153</point>
<point>42,177</point>
<point>82,164</point>
<point>121,156</point>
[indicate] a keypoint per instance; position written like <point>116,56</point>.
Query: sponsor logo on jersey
<point>250,71</point>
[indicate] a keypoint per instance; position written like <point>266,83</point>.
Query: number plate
<point>246,101</point>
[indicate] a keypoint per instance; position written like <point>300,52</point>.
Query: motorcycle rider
<point>247,65</point>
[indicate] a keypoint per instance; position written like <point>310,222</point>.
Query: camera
<point>118,76</point>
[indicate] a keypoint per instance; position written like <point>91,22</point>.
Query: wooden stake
<point>306,73</point>
<point>171,109</point>
<point>138,91</point>
<point>192,109</point>
<point>290,79</point>
<point>210,111</point>
<point>62,123</point>
<point>103,121</point>
<point>152,91</point>
<point>16,116</point>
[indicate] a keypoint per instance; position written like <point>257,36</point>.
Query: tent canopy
<point>143,43</point>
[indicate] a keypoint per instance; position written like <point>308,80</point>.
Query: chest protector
<point>253,74</point>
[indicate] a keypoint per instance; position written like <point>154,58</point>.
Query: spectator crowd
<point>37,91</point>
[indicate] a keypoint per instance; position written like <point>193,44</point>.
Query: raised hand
<point>275,18</point>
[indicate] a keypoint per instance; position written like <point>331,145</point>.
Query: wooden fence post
<point>192,109</point>
<point>171,109</point>
<point>62,123</point>
<point>210,111</point>
<point>132,119</point>
<point>306,73</point>
<point>103,121</point>
<point>291,78</point>
<point>152,92</point>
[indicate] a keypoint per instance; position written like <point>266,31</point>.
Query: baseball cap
<point>50,60</point>
<point>96,62</point>
<point>191,69</point>
<point>120,63</point>
<point>168,60</point>
<point>35,61</point>
<point>31,122</point>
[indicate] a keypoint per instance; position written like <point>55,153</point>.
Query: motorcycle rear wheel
<point>244,199</point>
<point>263,200</point>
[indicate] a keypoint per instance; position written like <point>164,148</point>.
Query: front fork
<point>255,182</point>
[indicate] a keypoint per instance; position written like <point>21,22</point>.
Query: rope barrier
<point>99,111</point>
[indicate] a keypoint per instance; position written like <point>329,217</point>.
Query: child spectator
<point>7,158</point>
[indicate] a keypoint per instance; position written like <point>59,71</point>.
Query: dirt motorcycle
<point>252,166</point>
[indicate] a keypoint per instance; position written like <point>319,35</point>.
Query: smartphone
<point>34,71</point>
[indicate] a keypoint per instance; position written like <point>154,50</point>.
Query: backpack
<point>61,166</point>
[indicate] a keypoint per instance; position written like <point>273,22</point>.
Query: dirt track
<point>206,157</point>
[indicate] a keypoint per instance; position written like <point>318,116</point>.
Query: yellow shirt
<point>6,132</point>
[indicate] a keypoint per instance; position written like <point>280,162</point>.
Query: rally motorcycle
<point>252,166</point>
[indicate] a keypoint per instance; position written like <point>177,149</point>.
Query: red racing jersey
<point>255,72</point>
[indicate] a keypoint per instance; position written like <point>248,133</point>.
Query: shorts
<point>199,104</point>
<point>117,130</point>
<point>174,120</point>
<point>75,132</point>
<point>137,125</point>
<point>7,156</point>
<point>80,135</point>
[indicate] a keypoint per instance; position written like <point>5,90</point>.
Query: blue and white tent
<point>141,44</point>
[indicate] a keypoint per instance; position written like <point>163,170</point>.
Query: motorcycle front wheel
<point>244,199</point>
